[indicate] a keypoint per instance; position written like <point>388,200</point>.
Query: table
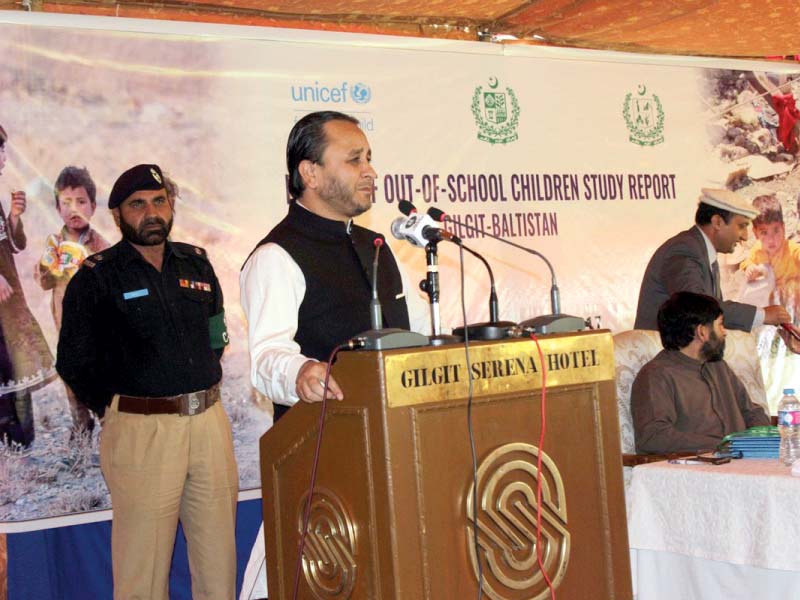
<point>714,531</point>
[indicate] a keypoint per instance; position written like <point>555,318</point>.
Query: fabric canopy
<point>732,28</point>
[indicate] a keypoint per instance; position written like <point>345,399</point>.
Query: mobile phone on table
<point>710,458</point>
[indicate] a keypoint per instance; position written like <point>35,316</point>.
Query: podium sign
<point>393,512</point>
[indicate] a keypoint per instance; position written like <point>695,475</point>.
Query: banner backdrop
<point>591,159</point>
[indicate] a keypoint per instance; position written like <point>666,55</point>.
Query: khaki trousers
<point>161,468</point>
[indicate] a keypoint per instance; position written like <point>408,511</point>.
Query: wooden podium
<point>392,514</point>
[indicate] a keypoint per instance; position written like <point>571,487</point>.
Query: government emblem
<point>496,113</point>
<point>644,117</point>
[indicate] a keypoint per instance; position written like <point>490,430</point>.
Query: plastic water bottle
<point>789,426</point>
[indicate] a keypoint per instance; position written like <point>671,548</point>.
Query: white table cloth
<point>714,531</point>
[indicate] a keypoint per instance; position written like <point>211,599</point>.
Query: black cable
<point>307,514</point>
<point>475,539</point>
<point>494,316</point>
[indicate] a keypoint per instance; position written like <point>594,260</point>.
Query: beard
<point>714,349</point>
<point>344,200</point>
<point>144,235</point>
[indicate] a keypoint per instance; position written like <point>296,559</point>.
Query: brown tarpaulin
<point>734,28</point>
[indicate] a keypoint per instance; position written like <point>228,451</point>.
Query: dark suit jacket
<point>681,265</point>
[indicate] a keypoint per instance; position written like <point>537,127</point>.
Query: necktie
<point>715,274</point>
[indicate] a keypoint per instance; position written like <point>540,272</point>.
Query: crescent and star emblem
<point>493,83</point>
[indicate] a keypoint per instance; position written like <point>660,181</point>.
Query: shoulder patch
<point>93,260</point>
<point>191,249</point>
<point>97,259</point>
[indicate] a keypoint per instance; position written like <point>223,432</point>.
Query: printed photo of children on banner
<point>754,131</point>
<point>67,130</point>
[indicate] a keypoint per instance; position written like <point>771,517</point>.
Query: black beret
<point>140,177</point>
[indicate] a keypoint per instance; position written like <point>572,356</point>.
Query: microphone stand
<point>494,329</point>
<point>379,337</point>
<point>430,285</point>
<point>544,324</point>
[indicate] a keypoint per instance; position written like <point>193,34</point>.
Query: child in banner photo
<point>26,363</point>
<point>773,251</point>
<point>64,252</point>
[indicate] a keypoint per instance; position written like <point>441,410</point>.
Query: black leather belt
<point>189,404</point>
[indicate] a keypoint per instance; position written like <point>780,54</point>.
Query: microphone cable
<point>475,537</point>
<point>539,471</point>
<point>307,513</point>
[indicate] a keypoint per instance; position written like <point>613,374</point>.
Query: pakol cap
<point>140,177</point>
<point>728,200</point>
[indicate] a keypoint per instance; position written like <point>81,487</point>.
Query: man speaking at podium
<point>688,262</point>
<point>306,287</point>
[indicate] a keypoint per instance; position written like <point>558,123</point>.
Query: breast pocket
<point>195,306</point>
<point>140,315</point>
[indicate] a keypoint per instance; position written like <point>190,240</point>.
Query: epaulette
<point>193,250</point>
<point>93,260</point>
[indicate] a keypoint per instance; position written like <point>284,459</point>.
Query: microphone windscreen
<point>397,228</point>
<point>406,207</point>
<point>436,214</point>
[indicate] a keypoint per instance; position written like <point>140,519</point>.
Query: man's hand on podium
<point>311,383</point>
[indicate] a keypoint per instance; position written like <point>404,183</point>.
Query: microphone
<point>378,338</point>
<point>406,207</point>
<point>494,329</point>
<point>420,230</point>
<point>423,232</point>
<point>552,323</point>
<point>375,310</point>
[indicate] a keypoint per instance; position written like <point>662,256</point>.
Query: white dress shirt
<point>272,289</point>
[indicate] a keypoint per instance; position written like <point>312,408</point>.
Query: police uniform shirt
<point>132,330</point>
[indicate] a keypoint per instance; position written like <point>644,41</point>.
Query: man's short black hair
<point>679,316</point>
<point>706,211</point>
<point>307,141</point>
<point>75,177</point>
<point>3,136</point>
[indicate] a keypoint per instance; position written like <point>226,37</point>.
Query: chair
<point>634,348</point>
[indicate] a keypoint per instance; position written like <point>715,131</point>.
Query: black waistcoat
<point>337,266</point>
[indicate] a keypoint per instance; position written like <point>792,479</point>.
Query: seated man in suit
<point>687,398</point>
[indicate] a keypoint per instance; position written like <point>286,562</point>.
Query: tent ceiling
<point>736,28</point>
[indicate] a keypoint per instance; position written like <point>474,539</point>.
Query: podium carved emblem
<point>506,495</point>
<point>329,555</point>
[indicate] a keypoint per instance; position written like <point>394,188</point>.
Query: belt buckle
<point>194,403</point>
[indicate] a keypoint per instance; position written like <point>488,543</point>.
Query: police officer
<point>140,344</point>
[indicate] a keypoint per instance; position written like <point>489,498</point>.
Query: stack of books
<point>756,442</point>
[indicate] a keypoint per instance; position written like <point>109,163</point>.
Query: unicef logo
<point>341,93</point>
<point>360,93</point>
